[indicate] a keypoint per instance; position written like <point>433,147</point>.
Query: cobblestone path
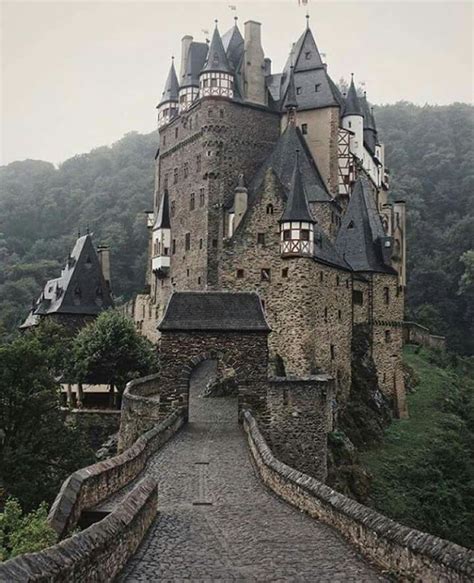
<point>217,522</point>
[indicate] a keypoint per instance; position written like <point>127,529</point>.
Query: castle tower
<point>161,252</point>
<point>353,120</point>
<point>168,105</point>
<point>296,223</point>
<point>216,78</point>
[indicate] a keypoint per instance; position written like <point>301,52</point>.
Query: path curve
<point>217,522</point>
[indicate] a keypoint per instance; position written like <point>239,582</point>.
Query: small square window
<point>304,234</point>
<point>260,238</point>
<point>304,128</point>
<point>213,82</point>
<point>240,273</point>
<point>284,272</point>
<point>265,274</point>
<point>299,90</point>
<point>307,55</point>
<point>287,235</point>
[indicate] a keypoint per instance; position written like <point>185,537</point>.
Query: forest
<point>429,154</point>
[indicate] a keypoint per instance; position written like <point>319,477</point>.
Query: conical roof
<point>290,100</point>
<point>369,122</point>
<point>361,232</point>
<point>233,43</point>
<point>216,57</point>
<point>163,217</point>
<point>297,204</point>
<point>352,105</point>
<point>170,92</point>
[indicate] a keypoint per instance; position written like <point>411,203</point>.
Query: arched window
<point>269,209</point>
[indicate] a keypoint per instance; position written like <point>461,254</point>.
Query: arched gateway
<point>227,327</point>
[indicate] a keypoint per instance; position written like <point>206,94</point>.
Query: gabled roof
<point>163,216</point>
<point>81,289</point>
<point>296,208</point>
<point>214,311</point>
<point>170,92</point>
<point>306,54</point>
<point>216,57</point>
<point>194,63</point>
<point>233,43</point>
<point>361,234</point>
<point>282,161</point>
<point>352,104</point>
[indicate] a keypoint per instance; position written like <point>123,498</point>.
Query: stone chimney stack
<point>185,44</point>
<point>254,64</point>
<point>103,251</point>
<point>268,66</point>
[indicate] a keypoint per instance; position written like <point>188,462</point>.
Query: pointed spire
<point>291,101</point>
<point>163,217</point>
<point>170,92</point>
<point>352,105</point>
<point>369,122</point>
<point>216,57</point>
<point>297,205</point>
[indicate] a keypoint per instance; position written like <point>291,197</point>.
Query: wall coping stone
<point>320,378</point>
<point>459,561</point>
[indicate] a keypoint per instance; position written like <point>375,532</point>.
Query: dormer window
<point>304,128</point>
<point>307,55</point>
<point>317,87</point>
<point>299,90</point>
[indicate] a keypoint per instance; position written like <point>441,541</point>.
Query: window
<point>386,296</point>
<point>187,272</point>
<point>173,246</point>
<point>202,197</point>
<point>213,82</point>
<point>204,83</point>
<point>358,297</point>
<point>304,234</point>
<point>307,55</point>
<point>325,314</point>
<point>192,201</point>
<point>388,336</point>
<point>347,283</point>
<point>265,274</point>
<point>198,163</point>
<point>287,235</point>
<point>339,315</point>
<point>299,90</point>
<point>176,132</point>
<point>221,113</point>
<point>200,243</point>
<point>175,176</point>
<point>321,276</point>
<point>304,128</point>
<point>284,272</point>
<point>187,242</point>
<point>349,124</point>
<point>240,273</point>
<point>350,225</point>
<point>333,352</point>
<point>199,281</point>
<point>260,238</point>
<point>185,170</point>
<point>337,280</point>
<point>173,208</point>
<point>317,87</point>
<point>269,209</point>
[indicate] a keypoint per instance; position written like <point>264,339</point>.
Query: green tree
<point>111,351</point>
<point>38,448</point>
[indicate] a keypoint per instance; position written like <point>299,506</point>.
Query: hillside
<point>428,150</point>
<point>423,471</point>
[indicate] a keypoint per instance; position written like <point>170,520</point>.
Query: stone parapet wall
<point>414,333</point>
<point>408,554</point>
<point>90,486</point>
<point>97,553</point>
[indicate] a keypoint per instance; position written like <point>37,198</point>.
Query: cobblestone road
<point>217,522</point>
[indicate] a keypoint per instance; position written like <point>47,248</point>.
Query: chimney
<point>268,66</point>
<point>185,44</point>
<point>254,64</point>
<point>103,252</point>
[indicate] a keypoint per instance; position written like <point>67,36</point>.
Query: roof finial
<point>79,233</point>
<point>87,229</point>
<point>216,21</point>
<point>352,77</point>
<point>307,19</point>
<point>235,20</point>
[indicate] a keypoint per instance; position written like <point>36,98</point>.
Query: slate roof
<point>81,289</point>
<point>233,43</point>
<point>290,100</point>
<point>360,237</point>
<point>170,92</point>
<point>214,311</point>
<point>296,208</point>
<point>282,161</point>
<point>163,216</point>
<point>195,62</point>
<point>352,105</point>
<point>216,57</point>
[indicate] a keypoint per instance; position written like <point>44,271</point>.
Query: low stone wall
<point>404,552</point>
<point>97,553</point>
<point>90,486</point>
<point>140,409</point>
<point>413,333</point>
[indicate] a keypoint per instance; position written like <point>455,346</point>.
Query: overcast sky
<point>77,75</point>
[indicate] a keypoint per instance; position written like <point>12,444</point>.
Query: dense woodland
<point>428,150</point>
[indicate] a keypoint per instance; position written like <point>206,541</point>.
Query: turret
<point>353,120</point>
<point>168,106</point>
<point>296,223</point>
<point>216,78</point>
<point>161,239</point>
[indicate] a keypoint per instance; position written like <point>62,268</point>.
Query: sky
<point>77,75</point>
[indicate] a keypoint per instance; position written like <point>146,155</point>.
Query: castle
<point>276,183</point>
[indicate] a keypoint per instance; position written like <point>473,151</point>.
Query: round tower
<point>216,78</point>
<point>168,105</point>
